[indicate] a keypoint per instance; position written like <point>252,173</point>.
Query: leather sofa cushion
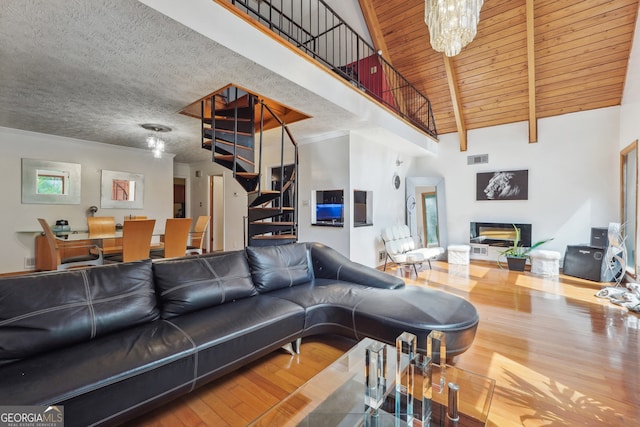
<point>276,267</point>
<point>99,364</point>
<point>384,315</point>
<point>188,284</point>
<point>42,312</point>
<point>243,330</point>
<point>330,264</point>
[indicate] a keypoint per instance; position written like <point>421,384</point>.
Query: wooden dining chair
<point>176,236</point>
<point>99,228</point>
<point>136,241</point>
<point>92,254</point>
<point>197,236</point>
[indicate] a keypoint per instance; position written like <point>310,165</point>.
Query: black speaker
<point>599,237</point>
<point>584,262</point>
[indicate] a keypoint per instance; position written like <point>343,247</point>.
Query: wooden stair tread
<point>275,237</point>
<point>232,132</point>
<point>248,174</point>
<point>286,208</point>
<point>230,144</point>
<point>287,223</point>
<point>227,119</point>
<point>231,119</point>
<point>264,192</point>
<point>226,131</point>
<point>229,158</point>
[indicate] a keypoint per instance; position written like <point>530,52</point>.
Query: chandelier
<point>154,142</point>
<point>452,23</point>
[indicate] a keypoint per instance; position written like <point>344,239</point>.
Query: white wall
<point>93,157</point>
<point>235,202</point>
<point>372,167</point>
<point>573,176</point>
<point>630,109</point>
<point>324,166</point>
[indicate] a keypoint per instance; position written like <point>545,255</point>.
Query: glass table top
<point>335,396</point>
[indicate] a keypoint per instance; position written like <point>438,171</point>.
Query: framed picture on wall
<point>502,185</point>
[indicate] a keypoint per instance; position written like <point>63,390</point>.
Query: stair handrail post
<point>202,138</point>
<point>212,107</point>
<point>261,145</point>
<point>282,128</point>
<point>295,189</point>
<point>235,132</point>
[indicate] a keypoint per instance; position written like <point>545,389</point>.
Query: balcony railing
<point>317,30</point>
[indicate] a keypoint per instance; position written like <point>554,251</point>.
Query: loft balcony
<point>315,29</point>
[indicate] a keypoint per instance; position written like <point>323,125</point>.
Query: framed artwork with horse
<point>502,185</point>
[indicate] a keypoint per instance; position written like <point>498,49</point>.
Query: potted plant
<point>517,255</point>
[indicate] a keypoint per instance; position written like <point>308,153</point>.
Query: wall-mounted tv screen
<point>330,212</point>
<point>329,208</point>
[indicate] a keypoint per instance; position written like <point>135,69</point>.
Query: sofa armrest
<point>330,264</point>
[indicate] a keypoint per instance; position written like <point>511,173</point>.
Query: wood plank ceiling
<point>580,50</point>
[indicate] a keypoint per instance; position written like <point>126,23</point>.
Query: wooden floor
<point>559,355</point>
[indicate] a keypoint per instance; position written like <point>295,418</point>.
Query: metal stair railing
<point>253,100</point>
<point>314,28</point>
<point>284,131</point>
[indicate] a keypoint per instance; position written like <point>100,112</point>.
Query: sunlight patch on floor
<point>552,286</point>
<point>540,400</point>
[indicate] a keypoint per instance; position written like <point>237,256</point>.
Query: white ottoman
<point>458,254</point>
<point>545,263</point>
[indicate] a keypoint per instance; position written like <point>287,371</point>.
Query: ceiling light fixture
<point>452,23</point>
<point>154,142</point>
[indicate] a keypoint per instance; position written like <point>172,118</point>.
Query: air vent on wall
<point>478,159</point>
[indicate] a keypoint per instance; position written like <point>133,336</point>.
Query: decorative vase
<point>516,263</point>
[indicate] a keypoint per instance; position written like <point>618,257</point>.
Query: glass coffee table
<point>335,396</point>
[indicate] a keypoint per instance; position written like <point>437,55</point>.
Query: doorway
<point>430,217</point>
<point>216,208</point>
<point>179,197</point>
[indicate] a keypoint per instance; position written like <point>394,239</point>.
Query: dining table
<point>69,244</point>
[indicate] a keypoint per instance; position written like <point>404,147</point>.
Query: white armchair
<point>401,248</point>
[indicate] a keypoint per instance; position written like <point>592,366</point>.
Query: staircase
<point>232,119</point>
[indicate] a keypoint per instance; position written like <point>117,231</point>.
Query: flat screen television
<point>330,213</point>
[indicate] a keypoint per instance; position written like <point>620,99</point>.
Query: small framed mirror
<point>122,190</point>
<point>46,182</point>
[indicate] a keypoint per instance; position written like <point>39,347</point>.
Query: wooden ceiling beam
<point>531,66</point>
<point>454,90</point>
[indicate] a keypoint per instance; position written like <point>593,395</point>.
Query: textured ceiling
<point>97,69</point>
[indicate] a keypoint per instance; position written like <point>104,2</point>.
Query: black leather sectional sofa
<point>112,342</point>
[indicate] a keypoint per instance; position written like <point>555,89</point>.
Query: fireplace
<point>499,234</point>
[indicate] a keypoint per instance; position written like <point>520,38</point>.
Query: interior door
<point>216,208</point>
